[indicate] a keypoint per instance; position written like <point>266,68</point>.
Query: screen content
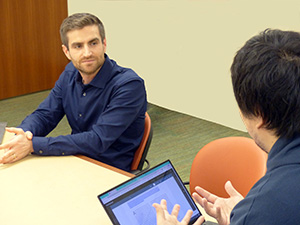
<point>131,203</point>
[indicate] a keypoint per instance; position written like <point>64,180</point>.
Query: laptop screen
<point>131,202</point>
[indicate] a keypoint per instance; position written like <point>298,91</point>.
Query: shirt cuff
<point>41,147</point>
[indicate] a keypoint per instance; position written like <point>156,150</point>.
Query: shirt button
<point>84,94</point>
<point>40,151</point>
<point>80,115</point>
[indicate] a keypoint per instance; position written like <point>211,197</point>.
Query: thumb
<point>231,190</point>
<point>29,135</point>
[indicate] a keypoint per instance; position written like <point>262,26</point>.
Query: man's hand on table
<point>18,147</point>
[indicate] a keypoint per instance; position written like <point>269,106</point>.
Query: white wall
<point>184,48</point>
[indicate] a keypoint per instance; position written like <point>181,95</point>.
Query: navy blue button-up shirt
<point>106,116</point>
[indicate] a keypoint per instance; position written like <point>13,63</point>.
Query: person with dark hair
<point>104,103</point>
<point>266,82</point>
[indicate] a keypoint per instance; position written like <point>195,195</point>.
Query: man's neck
<point>269,140</point>
<point>86,79</point>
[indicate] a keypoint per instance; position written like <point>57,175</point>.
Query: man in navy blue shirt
<point>104,103</point>
<point>266,82</point>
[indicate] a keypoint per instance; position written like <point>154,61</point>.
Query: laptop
<point>130,203</point>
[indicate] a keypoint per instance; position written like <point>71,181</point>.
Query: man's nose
<point>87,51</point>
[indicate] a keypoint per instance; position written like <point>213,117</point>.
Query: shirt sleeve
<point>46,117</point>
<point>126,104</point>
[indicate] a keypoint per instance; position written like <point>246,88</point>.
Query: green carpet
<point>179,137</point>
<point>176,136</point>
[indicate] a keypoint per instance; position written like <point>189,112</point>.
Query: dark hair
<point>79,21</point>
<point>266,80</point>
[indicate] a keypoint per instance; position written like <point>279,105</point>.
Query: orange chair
<point>237,159</point>
<point>141,153</point>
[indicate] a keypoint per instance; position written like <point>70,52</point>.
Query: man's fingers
<point>231,190</point>
<point>218,212</point>
<point>8,157</point>
<point>5,146</point>
<point>11,142</point>
<point>209,208</point>
<point>175,210</point>
<point>14,130</point>
<point>206,205</point>
<point>160,214</point>
<point>157,207</point>
<point>204,193</point>
<point>198,198</point>
<point>186,219</point>
<point>163,204</point>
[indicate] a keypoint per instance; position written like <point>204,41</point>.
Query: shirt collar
<point>284,151</point>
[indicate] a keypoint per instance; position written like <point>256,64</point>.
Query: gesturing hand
<point>18,147</point>
<point>164,218</point>
<point>219,208</point>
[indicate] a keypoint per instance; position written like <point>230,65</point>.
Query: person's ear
<point>104,44</point>
<point>260,122</point>
<point>66,51</point>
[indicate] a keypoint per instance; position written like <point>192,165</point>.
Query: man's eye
<point>77,46</point>
<point>94,43</point>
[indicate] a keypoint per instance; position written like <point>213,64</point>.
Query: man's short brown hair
<point>78,21</point>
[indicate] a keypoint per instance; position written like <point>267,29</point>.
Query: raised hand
<point>219,208</point>
<point>164,218</point>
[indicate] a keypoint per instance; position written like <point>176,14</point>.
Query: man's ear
<point>104,44</point>
<point>66,51</point>
<point>260,122</point>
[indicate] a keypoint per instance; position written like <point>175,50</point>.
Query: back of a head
<point>266,80</point>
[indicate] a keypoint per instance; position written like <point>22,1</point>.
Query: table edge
<point>105,165</point>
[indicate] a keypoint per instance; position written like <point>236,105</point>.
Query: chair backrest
<point>141,152</point>
<point>237,159</point>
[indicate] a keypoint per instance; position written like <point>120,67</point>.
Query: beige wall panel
<point>184,48</point>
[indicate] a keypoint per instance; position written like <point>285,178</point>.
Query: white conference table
<point>55,190</point>
<point>59,190</point>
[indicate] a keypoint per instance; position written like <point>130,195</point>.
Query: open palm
<point>217,207</point>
